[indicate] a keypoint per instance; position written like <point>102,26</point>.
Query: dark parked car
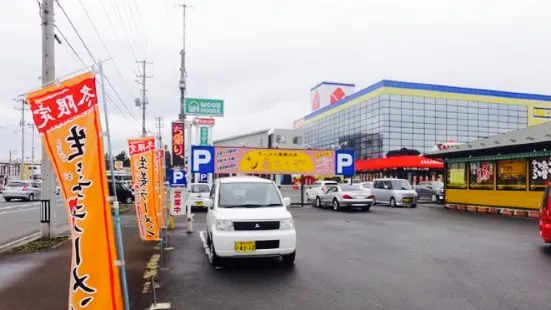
<point>433,190</point>
<point>124,193</point>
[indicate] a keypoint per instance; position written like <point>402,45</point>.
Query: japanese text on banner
<point>142,160</point>
<point>68,119</point>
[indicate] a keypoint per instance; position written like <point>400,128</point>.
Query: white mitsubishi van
<point>248,217</point>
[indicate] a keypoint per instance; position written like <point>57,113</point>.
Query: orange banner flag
<point>67,118</point>
<point>160,159</point>
<point>142,161</point>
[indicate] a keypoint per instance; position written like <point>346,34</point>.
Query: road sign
<point>202,159</point>
<point>204,107</point>
<point>177,178</point>
<point>203,136</point>
<point>344,162</point>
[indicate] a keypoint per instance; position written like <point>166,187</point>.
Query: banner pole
<point>118,232</point>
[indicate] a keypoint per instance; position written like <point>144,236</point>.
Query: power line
<point>140,23</point>
<point>118,11</point>
<point>113,27</point>
<point>70,46</point>
<point>84,64</point>
<point>105,47</point>
<point>94,60</point>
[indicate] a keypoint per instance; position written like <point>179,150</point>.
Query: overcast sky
<point>263,56</point>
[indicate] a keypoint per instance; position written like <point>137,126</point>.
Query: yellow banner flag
<point>67,117</point>
<point>142,162</point>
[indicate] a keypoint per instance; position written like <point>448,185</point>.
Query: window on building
<point>540,173</point>
<point>511,174</point>
<point>457,176</point>
<point>297,140</point>
<point>482,175</point>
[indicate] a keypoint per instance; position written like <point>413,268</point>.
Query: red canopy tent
<point>406,161</point>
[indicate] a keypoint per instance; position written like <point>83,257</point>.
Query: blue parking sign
<point>202,159</point>
<point>177,178</point>
<point>345,162</point>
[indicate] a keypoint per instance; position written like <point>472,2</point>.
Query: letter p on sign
<point>202,159</point>
<point>344,162</point>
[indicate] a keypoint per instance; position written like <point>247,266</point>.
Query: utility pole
<point>48,197</point>
<point>183,72</point>
<point>31,126</point>
<point>159,125</point>
<point>142,103</point>
<point>22,124</point>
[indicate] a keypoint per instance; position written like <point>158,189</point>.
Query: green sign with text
<point>203,136</point>
<point>204,107</point>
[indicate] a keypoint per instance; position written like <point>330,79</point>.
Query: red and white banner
<point>177,206</point>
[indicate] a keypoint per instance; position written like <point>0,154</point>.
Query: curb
<point>19,242</point>
<point>511,212</point>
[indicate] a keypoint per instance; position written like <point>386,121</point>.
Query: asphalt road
<point>18,219</point>
<point>424,258</point>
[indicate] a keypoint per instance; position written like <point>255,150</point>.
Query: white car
<point>198,192</point>
<point>248,217</point>
<point>319,188</point>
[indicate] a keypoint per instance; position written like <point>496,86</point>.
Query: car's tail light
<point>346,196</point>
<point>370,197</point>
<point>323,188</point>
<point>25,188</point>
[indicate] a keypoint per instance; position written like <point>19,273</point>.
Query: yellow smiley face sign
<point>276,161</point>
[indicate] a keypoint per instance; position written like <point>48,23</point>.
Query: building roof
<point>530,135</point>
<point>430,87</point>
<point>242,135</point>
<point>332,83</point>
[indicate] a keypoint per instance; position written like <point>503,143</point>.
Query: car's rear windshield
<point>400,185</point>
<point>17,184</point>
<point>249,195</point>
<point>350,188</point>
<point>199,188</point>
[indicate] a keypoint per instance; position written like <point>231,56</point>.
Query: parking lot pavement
<point>423,258</point>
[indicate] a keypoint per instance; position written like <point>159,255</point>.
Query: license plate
<point>199,203</point>
<point>407,200</point>
<point>245,246</point>
<point>360,197</point>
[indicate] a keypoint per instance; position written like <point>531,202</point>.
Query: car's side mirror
<point>287,201</point>
<point>208,203</point>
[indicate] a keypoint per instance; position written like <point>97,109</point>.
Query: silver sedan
<point>345,196</point>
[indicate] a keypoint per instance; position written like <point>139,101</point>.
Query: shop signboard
<point>204,135</point>
<point>204,107</point>
<point>203,121</point>
<point>541,112</point>
<point>540,172</point>
<point>178,144</point>
<point>238,160</point>
<point>176,201</point>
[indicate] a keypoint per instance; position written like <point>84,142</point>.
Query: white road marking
<point>19,206</point>
<point>23,210</point>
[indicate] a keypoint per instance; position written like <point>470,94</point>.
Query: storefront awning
<point>407,161</point>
